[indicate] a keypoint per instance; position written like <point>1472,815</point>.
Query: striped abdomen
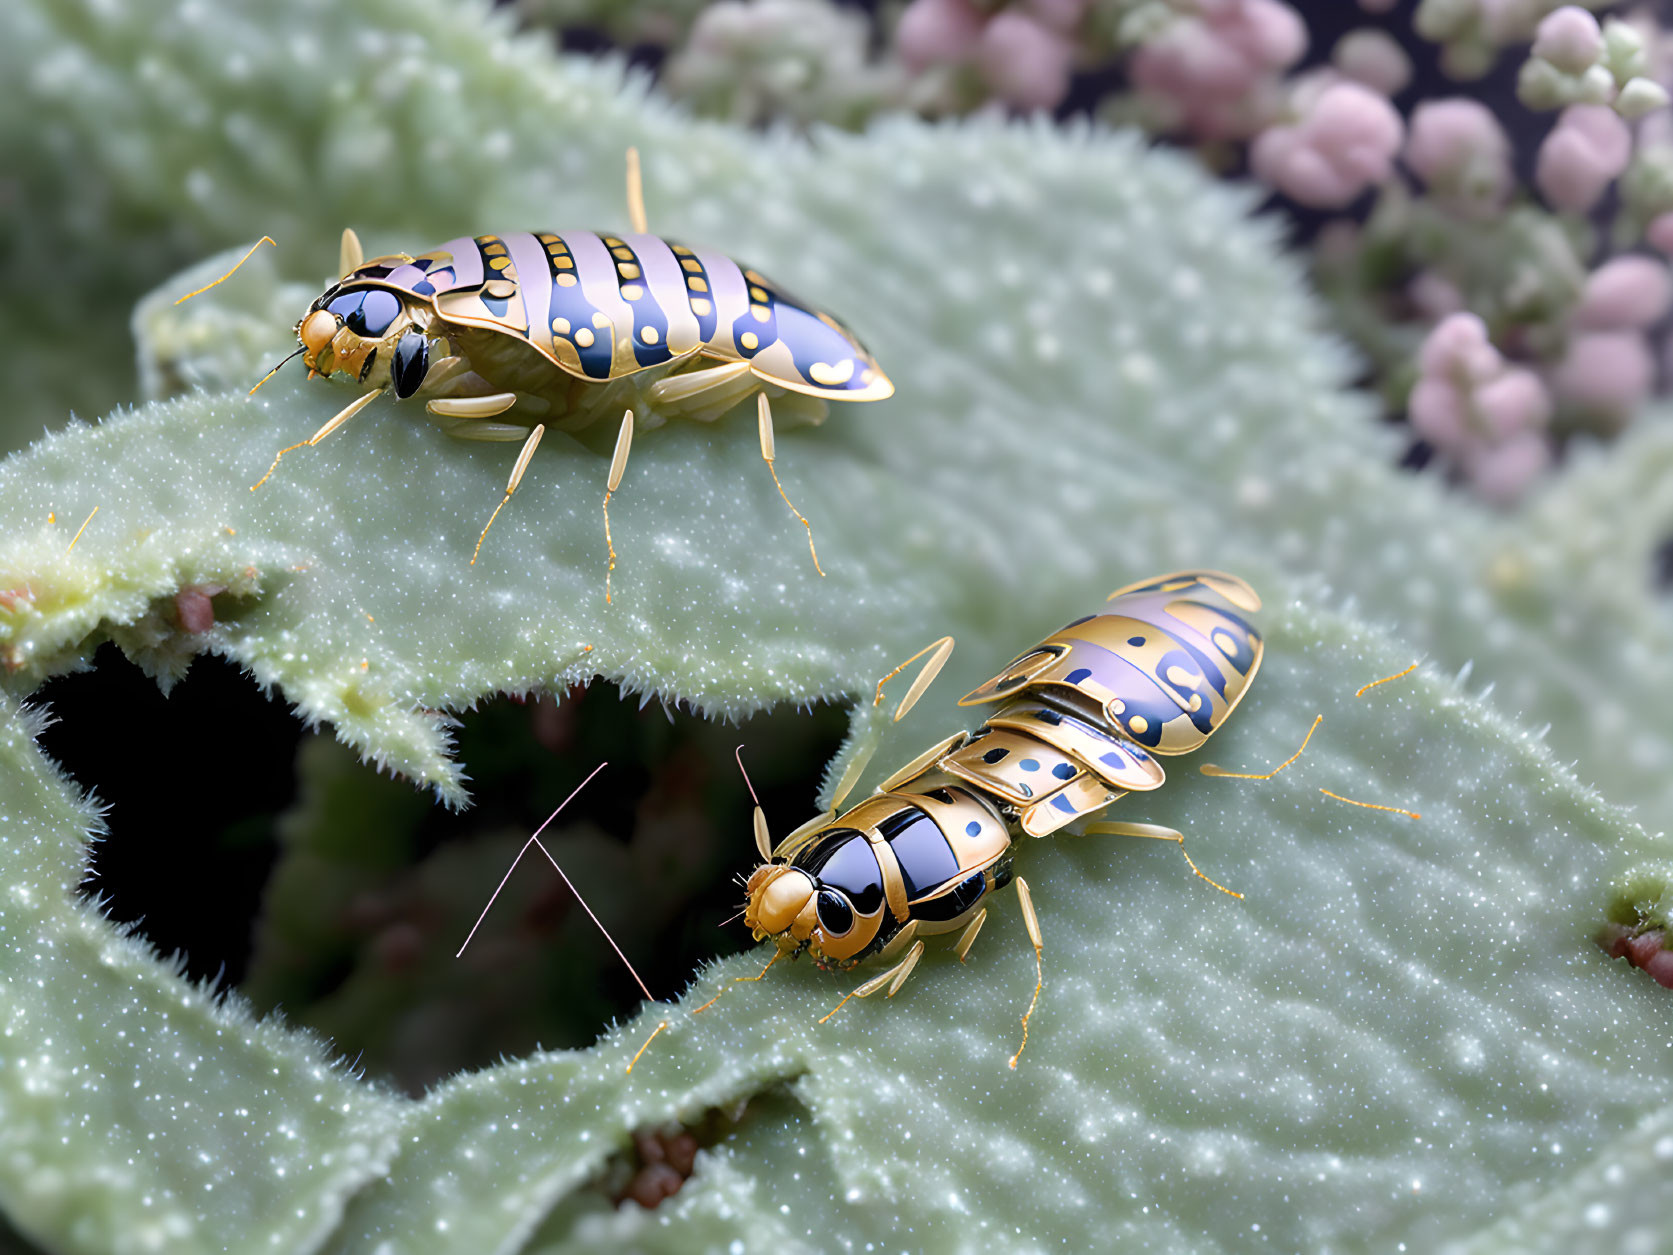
<point>601,307</point>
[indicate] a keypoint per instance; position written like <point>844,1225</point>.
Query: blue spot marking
<point>1049,716</point>
<point>1112,759</point>
<point>1063,771</point>
<point>495,307</point>
<point>424,288</point>
<point>1077,675</point>
<point>1062,804</point>
<point>1135,640</point>
<point>1030,764</point>
<point>972,829</point>
<point>810,341</point>
<point>994,755</point>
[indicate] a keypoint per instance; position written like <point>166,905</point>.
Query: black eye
<point>346,304</point>
<point>410,363</point>
<point>374,316</point>
<point>836,917</point>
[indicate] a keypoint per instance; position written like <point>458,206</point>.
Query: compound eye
<point>410,363</point>
<point>836,917</point>
<point>346,304</point>
<point>375,314</point>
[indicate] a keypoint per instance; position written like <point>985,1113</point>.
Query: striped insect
<point>1081,719</point>
<point>503,336</point>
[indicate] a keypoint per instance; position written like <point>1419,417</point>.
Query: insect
<point>1080,720</point>
<point>503,336</point>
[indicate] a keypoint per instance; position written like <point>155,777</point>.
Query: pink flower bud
<point>1438,412</point>
<point>1459,149</point>
<point>1588,147</point>
<point>1457,348</point>
<point>1660,232</point>
<point>1605,374</point>
<point>1503,21</point>
<point>1569,38</point>
<point>1375,58</point>
<point>1269,32</point>
<point>1026,64</point>
<point>1513,403</point>
<point>935,31</point>
<point>1345,144</point>
<point>1624,293</point>
<point>1503,472</point>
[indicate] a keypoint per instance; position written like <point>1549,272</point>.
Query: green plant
<point>1105,370</point>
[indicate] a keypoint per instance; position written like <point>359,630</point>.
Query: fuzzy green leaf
<point>1103,372</point>
<point>140,1112</point>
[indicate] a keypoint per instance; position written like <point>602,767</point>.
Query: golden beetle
<point>504,335</point>
<point>1081,718</point>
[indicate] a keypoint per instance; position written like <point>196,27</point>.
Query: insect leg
<point>636,194</point>
<point>764,416</point>
<point>818,821</point>
<point>1209,769</point>
<point>894,978</point>
<point>1033,922</point>
<point>472,407</point>
<point>618,464</point>
<point>350,256</point>
<point>441,371</point>
<point>967,938</point>
<point>922,761</point>
<point>347,412</point>
<point>701,389</point>
<point>529,446</point>
<point>1157,832</point>
<point>942,650</point>
<point>868,747</point>
<point>852,773</point>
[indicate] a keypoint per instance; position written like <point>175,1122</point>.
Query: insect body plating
<point>503,336</point>
<point>1080,720</point>
<point>545,321</point>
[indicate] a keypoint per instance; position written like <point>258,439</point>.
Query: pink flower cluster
<point>1462,155</point>
<point>1608,369</point>
<point>1024,52</point>
<point>1343,143</point>
<point>1585,152</point>
<point>1486,416</point>
<point>1219,75</point>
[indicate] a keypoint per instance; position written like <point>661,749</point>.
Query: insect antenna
<point>266,239</point>
<point>535,841</point>
<point>763,838</point>
<point>299,352</point>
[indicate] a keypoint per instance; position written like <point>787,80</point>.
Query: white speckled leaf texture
<point>1402,1034</point>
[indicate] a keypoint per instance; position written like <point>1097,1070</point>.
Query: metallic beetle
<point>547,320</point>
<point>1080,720</point>
<point>505,335</point>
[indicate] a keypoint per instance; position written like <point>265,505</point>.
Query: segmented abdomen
<point>605,306</point>
<point>1157,671</point>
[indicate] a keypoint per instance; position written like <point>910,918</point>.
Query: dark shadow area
<point>276,862</point>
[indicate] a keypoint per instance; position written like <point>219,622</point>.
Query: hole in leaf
<point>275,861</point>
